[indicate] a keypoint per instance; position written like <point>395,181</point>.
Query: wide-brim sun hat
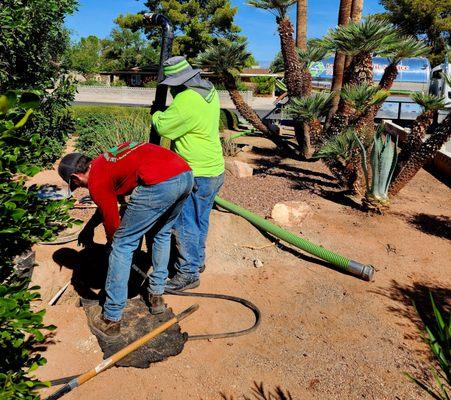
<point>177,71</point>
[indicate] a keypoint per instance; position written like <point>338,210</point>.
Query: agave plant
<point>438,338</point>
<point>383,160</point>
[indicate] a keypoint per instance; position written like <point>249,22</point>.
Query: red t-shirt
<point>118,171</point>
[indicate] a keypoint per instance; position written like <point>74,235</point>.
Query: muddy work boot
<point>103,325</point>
<point>182,282</point>
<point>156,304</point>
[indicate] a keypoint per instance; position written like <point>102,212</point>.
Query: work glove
<point>86,236</point>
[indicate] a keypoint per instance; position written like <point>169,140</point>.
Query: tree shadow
<point>90,267</point>
<point>320,183</point>
<point>414,302</point>
<point>437,225</point>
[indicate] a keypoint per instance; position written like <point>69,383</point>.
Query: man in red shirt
<point>159,182</point>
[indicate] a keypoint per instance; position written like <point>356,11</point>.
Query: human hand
<point>86,236</point>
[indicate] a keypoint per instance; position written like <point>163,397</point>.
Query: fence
<point>138,95</point>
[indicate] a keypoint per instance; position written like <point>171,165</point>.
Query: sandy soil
<point>324,334</point>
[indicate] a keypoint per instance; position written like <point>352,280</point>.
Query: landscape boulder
<point>290,213</point>
<point>239,169</point>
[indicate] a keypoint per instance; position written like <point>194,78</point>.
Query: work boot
<point>106,326</point>
<point>182,282</point>
<point>156,304</point>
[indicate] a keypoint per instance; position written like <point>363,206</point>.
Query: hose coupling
<point>365,272</point>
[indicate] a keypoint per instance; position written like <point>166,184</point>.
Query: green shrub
<point>437,335</point>
<point>119,83</point>
<point>102,127</point>
<point>51,125</point>
<point>92,82</point>
<point>239,84</point>
<point>264,85</point>
<point>22,331</point>
<point>151,84</point>
<point>24,220</point>
<point>228,120</point>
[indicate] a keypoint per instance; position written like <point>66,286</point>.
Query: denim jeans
<point>155,208</point>
<point>191,228</point>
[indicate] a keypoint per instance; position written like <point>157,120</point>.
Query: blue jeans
<point>155,208</point>
<point>191,228</point>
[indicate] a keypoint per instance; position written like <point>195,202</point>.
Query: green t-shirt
<point>192,123</point>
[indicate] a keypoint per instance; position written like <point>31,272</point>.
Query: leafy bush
<point>264,85</point>
<point>32,41</point>
<point>228,120</point>
<point>119,83</point>
<point>92,82</point>
<point>51,125</point>
<point>22,332</point>
<point>102,127</point>
<point>438,338</point>
<point>151,84</point>
<point>24,220</point>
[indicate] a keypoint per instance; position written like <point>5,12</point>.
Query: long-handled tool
<point>110,361</point>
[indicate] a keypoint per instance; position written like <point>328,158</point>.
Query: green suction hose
<point>355,268</point>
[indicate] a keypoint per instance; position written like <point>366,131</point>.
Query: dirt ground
<point>324,334</point>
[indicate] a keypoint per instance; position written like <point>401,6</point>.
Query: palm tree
<point>356,100</point>
<point>361,40</point>
<point>308,111</point>
<point>344,13</point>
<point>301,24</point>
<point>407,46</point>
<point>423,155</point>
<point>416,153</point>
<point>293,68</point>
<point>226,59</point>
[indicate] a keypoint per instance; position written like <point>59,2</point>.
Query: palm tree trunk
<point>423,155</point>
<point>293,67</point>
<point>360,70</point>
<point>339,62</point>
<point>356,16</point>
<point>389,76</point>
<point>252,117</point>
<point>386,83</point>
<point>414,140</point>
<point>356,10</point>
<point>301,24</point>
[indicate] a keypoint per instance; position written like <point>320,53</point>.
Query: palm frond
<point>280,7</point>
<point>406,47</point>
<point>310,107</point>
<point>363,96</point>
<point>370,36</point>
<point>429,102</point>
<point>225,56</point>
<point>340,146</point>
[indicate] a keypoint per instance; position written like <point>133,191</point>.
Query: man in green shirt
<point>191,122</point>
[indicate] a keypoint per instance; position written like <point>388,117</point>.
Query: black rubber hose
<point>244,302</point>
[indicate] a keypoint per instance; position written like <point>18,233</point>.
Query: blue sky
<point>95,17</point>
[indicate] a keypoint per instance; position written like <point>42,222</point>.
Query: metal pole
<point>167,38</point>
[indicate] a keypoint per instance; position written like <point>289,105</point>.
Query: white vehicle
<point>438,85</point>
